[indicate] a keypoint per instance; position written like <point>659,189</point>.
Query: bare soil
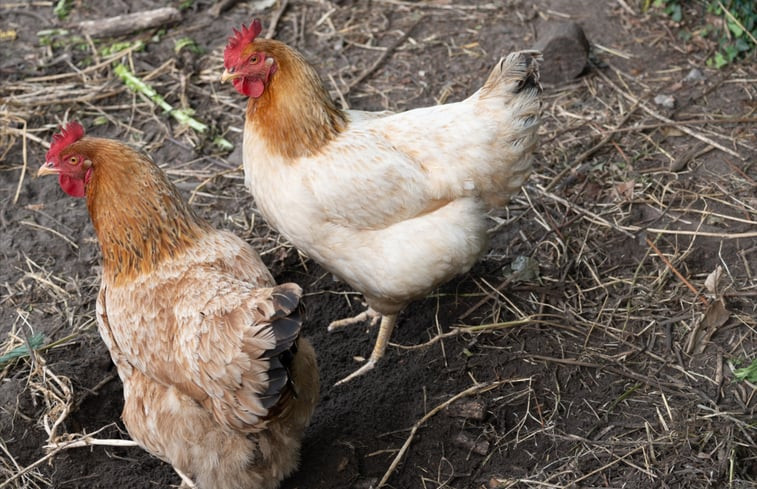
<point>608,362</point>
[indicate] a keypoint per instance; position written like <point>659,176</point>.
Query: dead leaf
<point>624,191</point>
<point>712,280</point>
<point>714,317</point>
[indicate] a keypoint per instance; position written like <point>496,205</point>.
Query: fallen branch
<point>676,272</point>
<point>387,52</point>
<point>125,24</point>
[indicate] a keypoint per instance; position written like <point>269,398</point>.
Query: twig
<point>387,52</point>
<point>596,218</point>
<point>676,272</point>
<point>738,22</point>
<point>661,117</point>
<point>221,7</point>
<point>24,165</point>
<point>134,47</point>
<point>589,152</point>
<point>683,232</point>
<point>38,226</point>
<point>87,441</point>
<point>276,18</point>
<point>475,389</point>
<point>469,330</point>
<point>186,481</point>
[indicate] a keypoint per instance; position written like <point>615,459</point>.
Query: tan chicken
<point>394,204</point>
<point>217,381</point>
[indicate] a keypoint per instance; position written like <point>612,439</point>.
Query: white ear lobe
<point>87,163</point>
<point>268,61</point>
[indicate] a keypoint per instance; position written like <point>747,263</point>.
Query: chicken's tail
<point>517,73</point>
<point>286,322</point>
<point>512,97</point>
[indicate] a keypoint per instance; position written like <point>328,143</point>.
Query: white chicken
<point>394,204</point>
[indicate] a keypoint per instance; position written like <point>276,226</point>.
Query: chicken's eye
<point>254,59</point>
<point>74,160</point>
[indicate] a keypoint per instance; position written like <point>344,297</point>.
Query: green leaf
<point>21,351</point>
<point>62,9</point>
<point>747,373</point>
<point>188,43</point>
<point>677,14</point>
<point>735,29</point>
<point>223,143</point>
<point>719,60</point>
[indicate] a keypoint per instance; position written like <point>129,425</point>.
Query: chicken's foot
<point>385,332</point>
<point>363,316</point>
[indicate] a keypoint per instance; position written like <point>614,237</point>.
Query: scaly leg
<point>367,314</point>
<point>385,332</point>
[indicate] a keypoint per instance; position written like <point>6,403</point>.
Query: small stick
<point>186,481</point>
<point>661,117</point>
<point>458,330</point>
<point>387,52</point>
<point>87,442</point>
<point>676,272</point>
<point>475,389</point>
<point>737,22</point>
<point>589,152</point>
<point>276,18</point>
<point>23,168</point>
<point>222,6</point>
<point>136,45</point>
<point>50,230</point>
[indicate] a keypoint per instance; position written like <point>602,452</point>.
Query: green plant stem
<point>139,86</point>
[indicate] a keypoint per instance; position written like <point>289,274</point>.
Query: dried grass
<point>616,216</point>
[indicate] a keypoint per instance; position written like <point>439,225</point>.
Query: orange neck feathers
<point>295,115</point>
<point>138,215</point>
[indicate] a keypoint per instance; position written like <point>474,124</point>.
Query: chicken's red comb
<point>241,37</point>
<point>67,135</point>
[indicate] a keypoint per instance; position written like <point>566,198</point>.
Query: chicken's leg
<point>385,332</point>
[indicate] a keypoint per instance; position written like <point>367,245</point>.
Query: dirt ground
<point>607,361</point>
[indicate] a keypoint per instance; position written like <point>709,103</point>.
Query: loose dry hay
<point>606,153</point>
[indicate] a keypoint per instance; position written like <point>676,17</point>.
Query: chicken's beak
<point>47,169</point>
<point>227,75</point>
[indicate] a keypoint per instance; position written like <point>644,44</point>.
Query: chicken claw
<point>367,314</point>
<point>357,373</point>
<point>385,332</point>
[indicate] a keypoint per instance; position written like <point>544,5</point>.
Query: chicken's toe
<point>363,316</point>
<point>357,373</point>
